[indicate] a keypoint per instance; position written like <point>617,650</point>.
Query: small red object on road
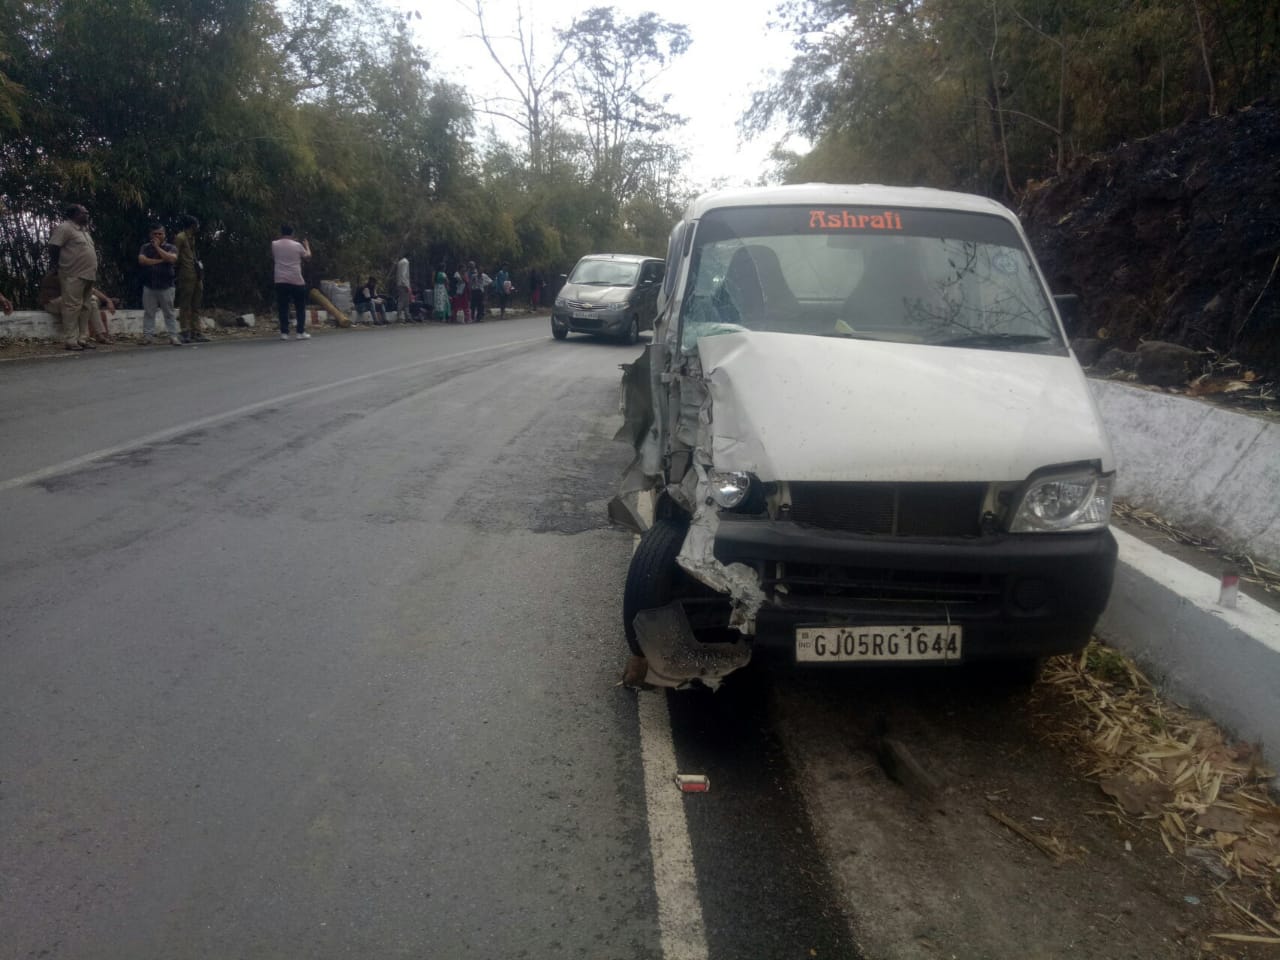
<point>693,782</point>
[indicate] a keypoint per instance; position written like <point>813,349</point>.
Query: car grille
<point>793,583</point>
<point>891,509</point>
<point>579,305</point>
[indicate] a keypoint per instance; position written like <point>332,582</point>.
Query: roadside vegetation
<point>247,113</point>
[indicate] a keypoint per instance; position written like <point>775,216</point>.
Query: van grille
<point>891,509</point>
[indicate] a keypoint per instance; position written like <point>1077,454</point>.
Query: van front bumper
<point>1016,596</point>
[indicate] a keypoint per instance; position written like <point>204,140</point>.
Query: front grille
<point>802,581</point>
<point>891,509</point>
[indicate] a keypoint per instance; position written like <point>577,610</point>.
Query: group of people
<point>173,286</point>
<point>172,275</point>
<point>465,296</point>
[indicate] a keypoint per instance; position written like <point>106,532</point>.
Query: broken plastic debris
<point>693,782</point>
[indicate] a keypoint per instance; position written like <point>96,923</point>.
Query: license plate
<point>582,314</point>
<point>882,644</point>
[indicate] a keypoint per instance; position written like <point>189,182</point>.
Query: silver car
<point>609,294</point>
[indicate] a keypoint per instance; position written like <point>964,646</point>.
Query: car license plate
<point>881,644</point>
<point>582,314</point>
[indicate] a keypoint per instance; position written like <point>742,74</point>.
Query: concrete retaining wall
<point>1208,470</point>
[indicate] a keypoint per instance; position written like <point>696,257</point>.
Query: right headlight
<point>1058,502</point>
<point>561,302</point>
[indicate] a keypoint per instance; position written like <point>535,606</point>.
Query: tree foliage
<point>249,113</point>
<point>986,94</point>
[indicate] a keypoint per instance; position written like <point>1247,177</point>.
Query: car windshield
<point>936,277</point>
<point>605,273</point>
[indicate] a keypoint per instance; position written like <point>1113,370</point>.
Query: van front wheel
<point>632,336</point>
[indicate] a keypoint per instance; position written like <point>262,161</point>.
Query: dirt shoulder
<point>997,840</point>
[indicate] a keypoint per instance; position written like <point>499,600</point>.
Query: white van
<point>862,439</point>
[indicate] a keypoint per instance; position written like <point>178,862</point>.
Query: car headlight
<point>561,302</point>
<point>728,489</point>
<point>616,307</point>
<point>1065,501</point>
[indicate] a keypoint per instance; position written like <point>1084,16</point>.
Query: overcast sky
<point>733,54</point>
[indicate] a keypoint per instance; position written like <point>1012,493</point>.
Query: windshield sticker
<point>848,220</point>
<point>1005,263</point>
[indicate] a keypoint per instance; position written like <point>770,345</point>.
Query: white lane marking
<point>161,435</point>
<point>679,911</point>
<point>684,936</point>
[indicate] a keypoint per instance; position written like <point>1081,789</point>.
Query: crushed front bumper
<point>1017,596</point>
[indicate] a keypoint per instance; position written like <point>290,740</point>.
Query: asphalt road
<point>310,650</point>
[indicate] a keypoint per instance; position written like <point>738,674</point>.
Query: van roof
<point>861,194</point>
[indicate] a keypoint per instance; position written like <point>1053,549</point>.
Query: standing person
<point>71,250</point>
<point>404,290</point>
<point>288,254</point>
<point>440,297</point>
<point>158,259</point>
<point>190,280</point>
<point>475,280</point>
<point>502,283</point>
<point>535,289</point>
<point>6,304</point>
<point>461,295</point>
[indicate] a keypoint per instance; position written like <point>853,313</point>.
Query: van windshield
<point>937,277</point>
<point>605,273</point>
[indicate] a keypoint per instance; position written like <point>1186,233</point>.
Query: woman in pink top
<point>288,254</point>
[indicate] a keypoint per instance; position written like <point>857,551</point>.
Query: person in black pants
<point>288,254</point>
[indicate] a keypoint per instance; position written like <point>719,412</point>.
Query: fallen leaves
<point>1205,795</point>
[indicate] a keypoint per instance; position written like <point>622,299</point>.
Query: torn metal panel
<point>675,657</point>
<point>697,556</point>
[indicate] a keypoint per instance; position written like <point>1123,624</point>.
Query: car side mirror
<point>1069,310</point>
<point>564,276</point>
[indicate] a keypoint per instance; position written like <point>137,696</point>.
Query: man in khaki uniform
<point>190,280</point>
<point>71,248</point>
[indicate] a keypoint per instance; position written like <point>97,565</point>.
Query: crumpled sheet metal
<point>675,657</point>
<point>697,557</point>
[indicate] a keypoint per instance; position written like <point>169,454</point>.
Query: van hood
<point>796,407</point>
<point>593,294</point>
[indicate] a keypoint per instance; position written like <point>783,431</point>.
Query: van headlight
<point>728,489</point>
<point>1065,502</point>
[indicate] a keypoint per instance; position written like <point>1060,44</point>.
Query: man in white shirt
<point>288,254</point>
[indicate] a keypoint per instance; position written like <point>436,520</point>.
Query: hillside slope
<point>1175,237</point>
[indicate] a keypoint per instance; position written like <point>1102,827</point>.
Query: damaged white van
<point>861,439</point>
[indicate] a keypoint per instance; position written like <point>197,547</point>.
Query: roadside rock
<point>1115,360</point>
<point>1162,364</point>
<point>1087,350</point>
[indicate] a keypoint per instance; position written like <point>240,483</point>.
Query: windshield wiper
<point>996,340</point>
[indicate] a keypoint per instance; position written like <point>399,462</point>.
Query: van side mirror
<point>1069,309</point>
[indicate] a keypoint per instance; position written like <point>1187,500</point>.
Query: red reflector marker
<point>1230,588</point>
<point>693,782</point>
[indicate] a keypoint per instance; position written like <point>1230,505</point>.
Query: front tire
<point>632,336</point>
<point>652,576</point>
<point>558,331</point>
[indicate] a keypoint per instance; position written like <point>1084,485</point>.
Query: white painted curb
<point>1223,662</point>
